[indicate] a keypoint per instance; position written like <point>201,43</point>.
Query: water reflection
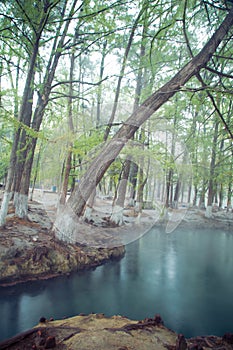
<point>185,276</point>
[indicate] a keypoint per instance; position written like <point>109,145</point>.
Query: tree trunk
<point>36,171</point>
<point>195,196</point>
<point>208,213</point>
<point>89,206</point>
<point>111,149</point>
<point>177,194</point>
<point>117,214</point>
<point>68,163</point>
<point>230,180</point>
<point>125,58</point>
<point>42,103</point>
<point>25,108</point>
<point>99,92</point>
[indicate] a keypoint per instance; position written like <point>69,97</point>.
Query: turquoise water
<point>185,276</point>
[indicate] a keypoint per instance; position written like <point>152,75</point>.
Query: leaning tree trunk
<point>111,149</point>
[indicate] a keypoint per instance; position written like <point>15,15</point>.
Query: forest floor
<point>184,215</point>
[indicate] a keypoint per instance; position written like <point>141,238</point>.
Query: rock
<point>228,338</point>
<point>181,343</point>
<point>50,343</point>
<point>91,332</point>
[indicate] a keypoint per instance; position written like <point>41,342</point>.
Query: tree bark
<point>117,94</point>
<point>117,214</point>
<point>64,189</point>
<point>112,148</point>
<point>24,113</point>
<point>42,103</point>
<point>99,91</point>
<point>211,184</point>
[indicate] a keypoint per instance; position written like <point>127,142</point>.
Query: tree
<point>26,115</point>
<point>111,149</point>
<point>36,25</point>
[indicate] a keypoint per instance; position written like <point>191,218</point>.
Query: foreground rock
<point>29,250</point>
<point>96,331</point>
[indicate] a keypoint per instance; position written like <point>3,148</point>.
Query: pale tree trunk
<point>230,180</point>
<point>211,184</point>
<point>36,171</point>
<point>141,185</point>
<point>117,214</point>
<point>133,180</point>
<point>89,207</point>
<point>111,149</point>
<point>195,196</point>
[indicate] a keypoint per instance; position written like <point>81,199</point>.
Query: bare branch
<point>78,81</point>
<point>225,75</point>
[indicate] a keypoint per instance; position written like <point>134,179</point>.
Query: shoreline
<point>97,331</point>
<point>29,250</point>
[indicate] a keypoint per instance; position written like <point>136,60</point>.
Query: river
<point>185,276</point>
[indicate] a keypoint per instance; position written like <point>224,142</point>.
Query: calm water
<point>186,276</point>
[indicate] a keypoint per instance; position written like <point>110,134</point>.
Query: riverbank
<point>96,331</point>
<point>30,251</point>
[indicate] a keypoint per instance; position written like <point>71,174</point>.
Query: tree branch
<point>78,81</point>
<point>199,77</point>
<point>225,75</point>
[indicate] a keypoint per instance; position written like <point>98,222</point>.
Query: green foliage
<point>159,49</point>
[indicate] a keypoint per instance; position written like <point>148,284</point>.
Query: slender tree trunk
<point>89,207</point>
<point>43,99</point>
<point>230,181</point>
<point>210,199</point>
<point>111,149</point>
<point>177,194</point>
<point>24,116</point>
<point>141,184</point>
<point>195,196</point>
<point>133,180</point>
<point>25,106</point>
<point>36,171</point>
<point>125,58</point>
<point>68,162</point>
<point>117,214</point>
<point>99,92</point>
